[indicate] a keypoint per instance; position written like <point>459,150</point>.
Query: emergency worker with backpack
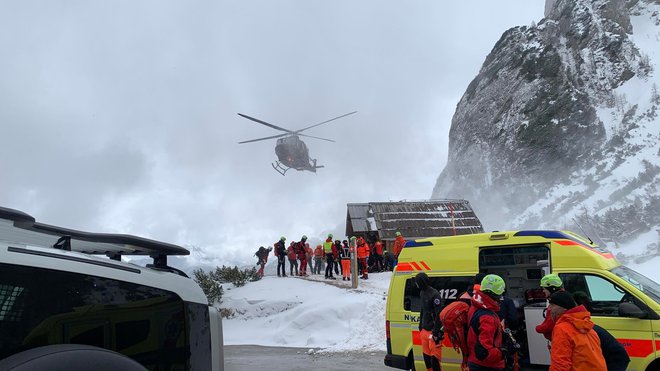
<point>484,340</point>
<point>280,252</point>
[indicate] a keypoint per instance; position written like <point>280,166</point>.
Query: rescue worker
<point>616,357</point>
<point>550,283</point>
<point>430,327</point>
<point>575,344</point>
<point>301,253</point>
<point>280,252</point>
<point>363,255</point>
<point>378,256</point>
<point>338,256</point>
<point>345,261</point>
<point>484,331</point>
<point>310,257</point>
<point>318,259</point>
<point>262,255</point>
<point>293,261</point>
<point>399,243</point>
<point>329,256</point>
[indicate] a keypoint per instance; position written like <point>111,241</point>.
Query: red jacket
<point>546,326</point>
<point>575,345</point>
<point>291,253</point>
<point>484,332</point>
<point>318,251</point>
<point>379,248</point>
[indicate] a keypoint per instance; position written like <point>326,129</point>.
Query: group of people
<point>575,342</point>
<point>331,256</point>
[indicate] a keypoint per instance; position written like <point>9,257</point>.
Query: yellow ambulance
<point>623,301</point>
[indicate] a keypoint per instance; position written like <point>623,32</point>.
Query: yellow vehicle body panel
<point>458,256</point>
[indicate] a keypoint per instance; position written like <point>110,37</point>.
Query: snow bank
<point>311,313</point>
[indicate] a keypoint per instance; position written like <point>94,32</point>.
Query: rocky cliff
<point>560,127</point>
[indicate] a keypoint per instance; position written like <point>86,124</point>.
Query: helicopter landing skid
<point>279,168</point>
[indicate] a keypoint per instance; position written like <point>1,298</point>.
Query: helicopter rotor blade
<point>309,136</point>
<point>324,122</point>
<point>265,123</point>
<point>256,140</point>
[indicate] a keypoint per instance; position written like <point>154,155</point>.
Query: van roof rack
<point>22,228</point>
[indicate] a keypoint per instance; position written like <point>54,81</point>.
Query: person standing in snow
<point>280,252</point>
<point>299,248</point>
<point>318,259</point>
<point>293,261</point>
<point>310,257</point>
<point>399,243</point>
<point>338,255</point>
<point>328,246</point>
<point>363,255</point>
<point>346,262</point>
<point>378,256</point>
<point>430,327</point>
<point>262,255</point>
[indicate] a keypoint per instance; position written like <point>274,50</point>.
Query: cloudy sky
<point>121,116</point>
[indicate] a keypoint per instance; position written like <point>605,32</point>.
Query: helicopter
<point>291,151</point>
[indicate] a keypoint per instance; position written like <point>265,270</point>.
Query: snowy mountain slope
<point>561,126</point>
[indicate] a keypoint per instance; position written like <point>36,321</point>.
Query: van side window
<point>449,288</point>
<point>604,295</point>
<point>41,306</point>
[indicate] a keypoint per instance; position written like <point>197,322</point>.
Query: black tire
<point>69,357</point>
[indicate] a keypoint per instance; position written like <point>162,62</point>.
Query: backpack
<point>455,324</point>
<point>275,248</point>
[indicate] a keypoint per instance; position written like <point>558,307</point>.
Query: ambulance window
<point>602,297</point>
<point>449,288</point>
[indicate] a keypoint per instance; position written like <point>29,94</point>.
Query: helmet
<point>329,235</point>
<point>397,234</point>
<point>282,238</point>
<point>493,283</point>
<point>353,238</point>
<point>304,237</point>
<point>551,280</point>
<point>337,242</point>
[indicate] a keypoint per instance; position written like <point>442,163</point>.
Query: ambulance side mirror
<point>631,310</point>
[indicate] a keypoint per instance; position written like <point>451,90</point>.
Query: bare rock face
<point>542,134</point>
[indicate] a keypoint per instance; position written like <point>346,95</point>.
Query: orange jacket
<point>318,251</point>
<point>399,242</point>
<point>575,345</point>
<point>362,248</point>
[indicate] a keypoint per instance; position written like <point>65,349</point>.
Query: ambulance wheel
<point>655,365</point>
<point>69,357</point>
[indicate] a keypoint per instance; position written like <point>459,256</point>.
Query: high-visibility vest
<point>327,247</point>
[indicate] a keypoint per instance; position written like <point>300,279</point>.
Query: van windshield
<point>645,285</point>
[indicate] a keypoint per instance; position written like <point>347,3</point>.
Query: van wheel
<point>69,357</point>
<point>653,365</point>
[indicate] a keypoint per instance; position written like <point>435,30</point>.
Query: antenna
<point>583,232</point>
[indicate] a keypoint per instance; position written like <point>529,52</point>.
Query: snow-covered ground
<point>310,313</point>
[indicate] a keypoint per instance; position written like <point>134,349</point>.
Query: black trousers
<point>330,260</point>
